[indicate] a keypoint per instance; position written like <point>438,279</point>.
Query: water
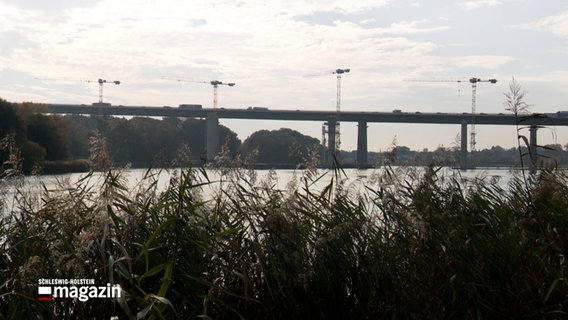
<point>30,188</point>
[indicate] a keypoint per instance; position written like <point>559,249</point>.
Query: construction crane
<point>325,127</point>
<point>338,72</point>
<point>101,82</point>
<point>214,83</point>
<point>474,82</point>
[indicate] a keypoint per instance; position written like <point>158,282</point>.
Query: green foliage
<point>143,142</point>
<point>47,132</point>
<point>410,244</point>
<point>279,146</point>
<point>137,141</point>
<point>496,156</point>
<point>12,128</point>
<point>9,120</point>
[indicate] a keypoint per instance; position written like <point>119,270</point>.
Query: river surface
<point>30,188</point>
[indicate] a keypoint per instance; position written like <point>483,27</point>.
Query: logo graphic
<point>81,289</point>
<point>44,293</point>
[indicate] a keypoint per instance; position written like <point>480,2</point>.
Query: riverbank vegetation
<point>406,243</point>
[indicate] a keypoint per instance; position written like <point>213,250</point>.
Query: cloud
<point>13,41</point>
<point>229,35</point>
<point>481,61</point>
<point>262,47</point>
<point>556,24</point>
<point>471,5</point>
<point>411,28</point>
<point>301,7</point>
<point>50,5</point>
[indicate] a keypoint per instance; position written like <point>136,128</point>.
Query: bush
<point>58,167</point>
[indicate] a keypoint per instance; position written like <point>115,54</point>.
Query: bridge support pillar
<point>362,144</point>
<point>463,147</point>
<point>212,135</point>
<point>533,147</point>
<point>331,132</point>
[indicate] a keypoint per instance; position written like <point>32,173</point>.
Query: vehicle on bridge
<point>101,104</point>
<point>190,106</point>
<point>257,108</point>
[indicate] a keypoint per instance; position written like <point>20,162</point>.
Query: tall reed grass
<point>409,245</point>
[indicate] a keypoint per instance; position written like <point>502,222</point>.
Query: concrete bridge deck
<point>308,115</point>
<point>330,117</point>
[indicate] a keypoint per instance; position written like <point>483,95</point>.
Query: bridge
<point>331,117</point>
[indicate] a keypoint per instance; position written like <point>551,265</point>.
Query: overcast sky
<point>281,55</point>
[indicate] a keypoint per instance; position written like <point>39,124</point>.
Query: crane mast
<point>474,82</point>
<point>335,142</point>
<point>338,72</point>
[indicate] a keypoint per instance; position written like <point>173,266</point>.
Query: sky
<point>282,54</point>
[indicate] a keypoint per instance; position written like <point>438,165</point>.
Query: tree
<point>279,146</point>
<point>48,132</point>
<point>12,122</point>
<point>143,141</point>
<point>78,131</point>
<point>9,120</point>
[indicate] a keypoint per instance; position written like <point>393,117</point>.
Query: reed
<point>410,244</point>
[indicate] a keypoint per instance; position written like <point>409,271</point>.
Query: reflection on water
<point>27,191</point>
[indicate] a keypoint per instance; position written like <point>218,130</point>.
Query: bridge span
<point>331,117</point>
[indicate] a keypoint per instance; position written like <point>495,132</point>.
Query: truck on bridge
<point>190,106</point>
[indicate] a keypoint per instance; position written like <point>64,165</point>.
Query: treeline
<point>144,142</point>
<point>496,156</point>
<point>55,143</point>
